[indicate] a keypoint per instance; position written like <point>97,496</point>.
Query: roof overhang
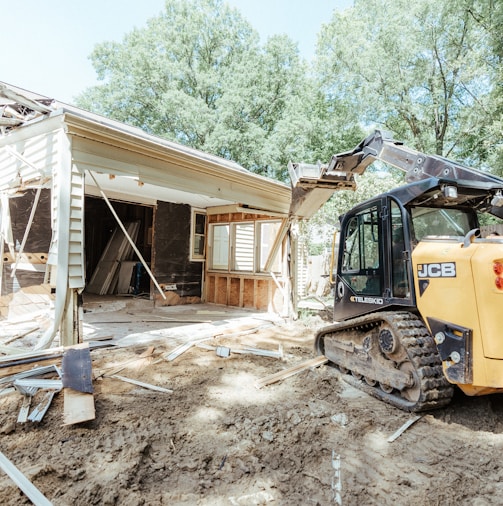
<point>147,167</point>
<point>131,165</point>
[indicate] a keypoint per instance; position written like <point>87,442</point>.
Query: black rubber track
<point>435,390</point>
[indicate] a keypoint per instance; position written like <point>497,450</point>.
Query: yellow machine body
<point>458,299</point>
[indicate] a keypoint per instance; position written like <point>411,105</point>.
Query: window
<point>400,280</point>
<point>268,233</point>
<point>244,236</point>
<point>243,246</point>
<point>439,221</point>
<point>198,235</point>
<point>220,247</point>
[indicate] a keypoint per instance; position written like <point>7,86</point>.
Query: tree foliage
<point>419,69</point>
<point>197,75</point>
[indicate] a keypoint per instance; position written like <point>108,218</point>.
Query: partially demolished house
<point>91,205</point>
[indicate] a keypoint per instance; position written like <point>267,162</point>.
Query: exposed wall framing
<point>264,291</point>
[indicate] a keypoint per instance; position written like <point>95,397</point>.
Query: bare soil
<point>218,440</point>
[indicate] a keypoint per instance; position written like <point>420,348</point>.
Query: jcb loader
<point>418,291</point>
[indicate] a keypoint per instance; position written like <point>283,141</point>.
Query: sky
<point>46,43</point>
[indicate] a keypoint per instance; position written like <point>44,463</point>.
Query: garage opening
<point>112,266</point>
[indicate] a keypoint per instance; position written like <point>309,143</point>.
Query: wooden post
<point>71,331</point>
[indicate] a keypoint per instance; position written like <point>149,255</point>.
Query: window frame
<point>197,257</point>
<point>232,247</point>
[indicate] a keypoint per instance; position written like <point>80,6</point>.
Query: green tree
<point>418,69</point>
<point>196,74</point>
<point>489,15</point>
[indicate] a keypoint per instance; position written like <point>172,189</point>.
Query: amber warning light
<point>498,270</point>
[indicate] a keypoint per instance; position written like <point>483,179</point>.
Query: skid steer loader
<point>418,291</point>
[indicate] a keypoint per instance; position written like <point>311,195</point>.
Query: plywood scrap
<point>142,384</point>
<point>404,427</point>
<point>79,407</point>
<point>32,492</point>
<point>273,378</point>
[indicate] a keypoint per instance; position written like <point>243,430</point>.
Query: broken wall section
<point>23,290</point>
<point>179,277</point>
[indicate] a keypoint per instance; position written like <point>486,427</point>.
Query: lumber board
<point>148,386</point>
<point>78,407</point>
<point>273,378</point>
<point>404,427</point>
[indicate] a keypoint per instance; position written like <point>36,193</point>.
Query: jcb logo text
<point>442,270</point>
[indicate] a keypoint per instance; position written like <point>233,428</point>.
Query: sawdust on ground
<point>218,440</point>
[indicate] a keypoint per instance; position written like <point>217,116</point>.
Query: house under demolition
<point>91,205</point>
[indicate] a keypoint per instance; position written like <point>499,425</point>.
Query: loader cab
<point>377,238</point>
<point>374,270</point>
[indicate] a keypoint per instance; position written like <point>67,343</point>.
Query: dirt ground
<point>219,440</point>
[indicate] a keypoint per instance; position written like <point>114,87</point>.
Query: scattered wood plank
<point>77,382</point>
<point>9,371</point>
<point>11,350</point>
<point>245,351</point>
<point>20,335</point>
<point>41,409</point>
<point>160,318</point>
<point>404,427</point>
<point>36,371</point>
<point>25,361</point>
<point>98,338</point>
<point>119,367</point>
<point>78,407</point>
<point>141,384</point>
<point>178,351</point>
<point>183,348</point>
<point>273,378</point>
<point>22,417</point>
<point>32,492</point>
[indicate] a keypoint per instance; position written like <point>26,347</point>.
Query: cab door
<point>360,272</point>
<point>374,260</point>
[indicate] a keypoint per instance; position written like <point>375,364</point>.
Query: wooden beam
<point>273,378</point>
<point>78,407</point>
